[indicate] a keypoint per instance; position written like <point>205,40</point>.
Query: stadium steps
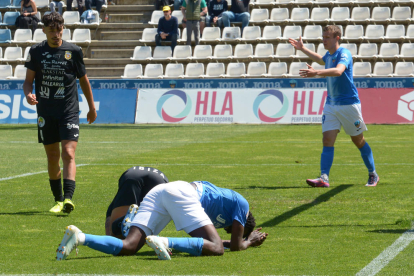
<point>107,61</point>
<point>120,35</point>
<point>139,17</point>
<point>105,72</point>
<point>114,53</point>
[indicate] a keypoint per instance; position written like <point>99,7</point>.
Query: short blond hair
<point>334,29</point>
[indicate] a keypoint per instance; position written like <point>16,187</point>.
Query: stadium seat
<point>321,49</point>
<point>242,51</point>
<point>148,35</point>
<point>13,54</point>
<point>22,36</point>
<point>362,69</point>
<point>184,36</point>
<point>300,54</point>
<point>174,71</point>
<point>211,34</point>
<point>317,66</point>
<point>319,15</point>
<point>132,71</point>
<point>340,15</point>
<point>374,32</point>
<point>202,52</point>
<point>318,2</point>
<point>261,2</point>
<point>354,33</point>
<point>142,53</point>
<point>251,33</point>
<point>401,14</point>
<point>39,36</point>
<point>222,51</point>
<point>295,67</point>
<point>235,70</point>
<point>15,4</point>
<point>153,71</point>
<point>155,17</point>
<point>284,50</point>
<point>404,69</point>
<point>407,51</point>
<point>81,36</point>
<point>194,70</point>
<point>299,15</point>
<point>395,32</point>
<point>383,69</point>
<point>4,3</point>
<point>367,51</point>
<point>312,32</point>
<point>256,69</point>
<point>258,16</point>
<point>279,15</point>
<point>292,32</point>
<point>352,47</point>
<point>410,33</point>
<point>19,72</point>
<point>9,18</point>
<point>6,71</point>
<point>26,53</point>
<point>214,70</point>
<point>162,53</point>
<point>360,15</point>
<point>40,4</point>
<point>181,52</point>
<point>263,51</point>
<point>71,18</point>
<point>231,33</point>
<point>179,15</point>
<point>5,36</point>
<point>389,50</point>
<point>383,2</point>
<point>277,69</point>
<point>271,33</point>
<point>380,15</point>
<point>66,35</point>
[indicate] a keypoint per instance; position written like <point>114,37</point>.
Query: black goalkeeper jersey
<point>55,81</point>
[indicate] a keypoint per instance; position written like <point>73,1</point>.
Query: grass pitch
<point>312,231</point>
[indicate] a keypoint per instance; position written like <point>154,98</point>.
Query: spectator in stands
<point>239,12</point>
<point>161,3</point>
<point>167,28</point>
<point>97,3</point>
<point>215,10</point>
<point>58,3</point>
<point>192,17</point>
<point>177,4</point>
<point>81,6</point>
<point>27,15</point>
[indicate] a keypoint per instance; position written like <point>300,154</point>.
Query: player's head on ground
<point>53,28</point>
<point>331,35</point>
<point>248,227</point>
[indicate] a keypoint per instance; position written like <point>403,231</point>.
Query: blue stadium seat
<point>4,3</point>
<point>5,36</point>
<point>15,4</point>
<point>9,18</point>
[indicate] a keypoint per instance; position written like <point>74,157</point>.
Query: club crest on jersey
<point>357,125</point>
<point>41,122</point>
<point>29,58</point>
<point>68,55</point>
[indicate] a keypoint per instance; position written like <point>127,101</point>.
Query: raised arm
<point>298,44</point>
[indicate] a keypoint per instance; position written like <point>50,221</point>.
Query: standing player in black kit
<point>55,64</point>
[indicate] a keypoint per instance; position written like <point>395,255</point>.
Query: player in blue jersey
<point>342,107</point>
<point>197,208</point>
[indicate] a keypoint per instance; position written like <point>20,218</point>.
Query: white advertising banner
<point>241,106</point>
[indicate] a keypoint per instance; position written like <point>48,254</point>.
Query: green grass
<point>335,231</point>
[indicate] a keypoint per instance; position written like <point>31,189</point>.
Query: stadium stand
<point>19,73</point>
<point>132,71</point>
<point>6,71</point>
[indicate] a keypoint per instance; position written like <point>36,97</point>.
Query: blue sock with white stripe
<point>366,154</point>
<point>193,246</point>
<point>327,157</point>
<point>105,244</point>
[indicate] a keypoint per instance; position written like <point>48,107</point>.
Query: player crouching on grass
<point>342,108</point>
<point>198,208</point>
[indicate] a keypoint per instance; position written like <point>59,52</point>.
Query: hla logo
<point>306,99</point>
<point>406,106</point>
<point>204,100</point>
<point>84,108</point>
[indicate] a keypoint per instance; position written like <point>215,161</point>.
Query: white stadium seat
<point>263,51</point>
<point>407,50</point>
<point>202,52</point>
<point>390,50</point>
<point>251,33</point>
<point>26,53</point>
<point>362,69</point>
<point>211,34</point>
<point>340,14</point>
<point>194,70</point>
<point>404,69</point>
<point>155,17</point>
<point>279,15</point>
<point>19,72</point>
<point>243,51</point>
<point>321,49</point>
<point>367,50</point>
<point>181,52</point>
<point>82,36</point>
<point>277,69</point>
<point>222,51</point>
<point>66,35</point>
<point>410,32</point>
<point>5,71</point>
<point>299,15</point>
<point>256,69</point>
<point>395,32</point>
<point>353,32</point>
<point>300,54</point>
<point>39,36</point>
<point>292,32</point>
<point>312,32</point>
<point>374,32</point>
<point>401,14</point>
<point>259,15</point>
<point>22,36</point>
<point>148,35</point>
<point>174,70</point>
<point>153,71</point>
<point>162,53</point>
<point>13,54</point>
<point>179,15</point>
<point>352,47</point>
<point>235,70</point>
<point>184,36</point>
<point>295,67</point>
<point>380,14</point>
<point>71,17</point>
<point>271,33</point>
<point>214,70</point>
<point>231,33</point>
<point>40,4</point>
<point>383,69</point>
<point>132,71</point>
<point>360,15</point>
<point>142,53</point>
<point>284,50</point>
<point>319,15</point>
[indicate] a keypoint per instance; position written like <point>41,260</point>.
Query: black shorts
<point>134,184</point>
<point>51,129</point>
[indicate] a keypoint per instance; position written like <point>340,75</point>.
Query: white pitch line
<point>388,254</point>
<point>29,174</point>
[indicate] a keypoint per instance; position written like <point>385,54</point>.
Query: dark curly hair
<point>248,227</point>
<point>53,20</point>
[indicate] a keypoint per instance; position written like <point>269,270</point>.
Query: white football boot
<point>68,243</point>
<point>162,251</point>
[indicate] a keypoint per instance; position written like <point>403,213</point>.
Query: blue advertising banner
<point>112,106</point>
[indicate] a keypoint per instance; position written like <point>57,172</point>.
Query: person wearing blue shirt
<point>167,28</point>
<point>342,107</point>
<point>198,208</point>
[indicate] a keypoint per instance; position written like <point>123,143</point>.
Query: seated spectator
<point>87,17</point>
<point>81,6</point>
<point>216,9</point>
<point>97,3</point>
<point>27,15</point>
<point>167,28</point>
<point>161,3</point>
<point>193,20</point>
<point>239,12</point>
<point>58,3</point>
<point>177,4</point>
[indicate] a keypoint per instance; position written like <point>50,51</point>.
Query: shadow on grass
<point>130,126</point>
<point>142,256</point>
<point>27,213</point>
<point>269,188</point>
<point>320,199</point>
<point>390,231</point>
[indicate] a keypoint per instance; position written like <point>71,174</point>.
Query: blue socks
<point>327,157</point>
<point>193,246</point>
<point>105,244</point>
<point>366,154</point>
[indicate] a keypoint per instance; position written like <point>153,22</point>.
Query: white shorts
<point>177,201</point>
<point>347,116</point>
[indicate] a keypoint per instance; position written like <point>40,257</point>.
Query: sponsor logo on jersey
<point>44,92</point>
<point>60,93</point>
<point>41,121</point>
<point>76,135</point>
<point>68,55</point>
<point>220,219</point>
<point>70,126</point>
